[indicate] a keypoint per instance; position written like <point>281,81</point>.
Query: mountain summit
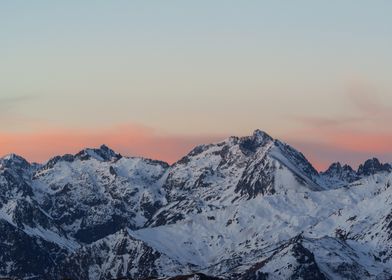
<point>248,207</point>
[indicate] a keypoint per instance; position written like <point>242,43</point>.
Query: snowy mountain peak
<point>344,173</point>
<point>16,163</point>
<point>334,166</point>
<point>14,158</point>
<point>337,167</point>
<point>103,153</point>
<point>338,174</point>
<point>252,143</point>
<point>373,166</point>
<point>234,169</point>
<point>261,135</point>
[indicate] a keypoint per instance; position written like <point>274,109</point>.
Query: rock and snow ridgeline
<point>245,208</point>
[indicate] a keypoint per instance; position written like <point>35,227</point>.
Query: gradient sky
<point>155,78</point>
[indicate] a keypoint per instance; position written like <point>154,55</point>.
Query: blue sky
<point>213,68</point>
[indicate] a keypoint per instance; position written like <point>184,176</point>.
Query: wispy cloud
<point>323,122</point>
<point>9,102</point>
<point>324,145</point>
<point>11,113</point>
<point>363,106</point>
<point>323,154</point>
<point>366,101</point>
<point>361,132</point>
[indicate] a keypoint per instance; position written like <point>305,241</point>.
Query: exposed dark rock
<point>373,166</point>
<point>344,173</point>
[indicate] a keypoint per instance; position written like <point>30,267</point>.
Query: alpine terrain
<point>245,208</point>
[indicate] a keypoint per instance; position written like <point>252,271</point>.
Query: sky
<point>156,78</point>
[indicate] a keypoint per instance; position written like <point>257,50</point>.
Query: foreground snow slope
<point>245,208</point>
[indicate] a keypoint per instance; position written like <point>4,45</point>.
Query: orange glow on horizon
<point>135,140</point>
<point>323,145</point>
<point>130,140</point>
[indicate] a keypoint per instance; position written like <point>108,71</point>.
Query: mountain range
<point>245,208</point>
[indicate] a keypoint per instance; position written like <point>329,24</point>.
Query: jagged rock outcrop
<point>343,173</point>
<point>373,166</point>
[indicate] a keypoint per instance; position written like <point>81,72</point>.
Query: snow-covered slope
<point>120,255</point>
<point>98,192</point>
<point>245,208</point>
<point>222,174</point>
